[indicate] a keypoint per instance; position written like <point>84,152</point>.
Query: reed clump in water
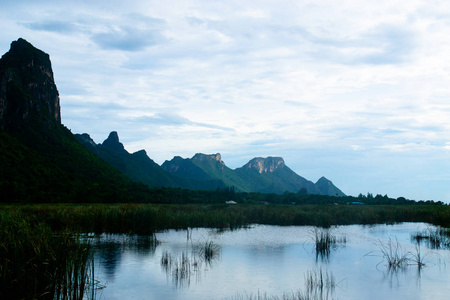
<point>325,241</point>
<point>183,266</point>
<point>396,258</point>
<point>438,238</point>
<point>209,251</point>
<point>180,268</point>
<point>319,285</point>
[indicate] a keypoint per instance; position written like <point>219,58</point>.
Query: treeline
<point>228,194</point>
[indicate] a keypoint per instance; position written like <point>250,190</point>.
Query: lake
<point>271,261</point>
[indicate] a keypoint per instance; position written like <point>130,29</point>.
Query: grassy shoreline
<point>149,218</point>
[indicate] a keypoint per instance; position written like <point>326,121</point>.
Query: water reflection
<point>109,249</point>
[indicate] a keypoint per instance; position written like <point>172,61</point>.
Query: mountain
<point>40,159</point>
<point>326,187</point>
<point>271,175</point>
<point>137,166</point>
<point>264,175</point>
<point>140,167</point>
<point>27,89</point>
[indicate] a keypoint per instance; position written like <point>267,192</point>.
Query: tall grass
<point>325,241</point>
<point>182,267</point>
<point>438,238</point>
<point>149,218</point>
<point>37,264</point>
<point>209,251</point>
<point>396,258</point>
<point>319,285</point>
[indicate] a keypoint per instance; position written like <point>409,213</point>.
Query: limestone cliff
<point>265,165</point>
<point>27,87</point>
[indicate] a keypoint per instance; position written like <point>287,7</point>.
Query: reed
<point>325,241</point>
<point>209,251</point>
<point>319,281</point>
<point>438,238</point>
<point>36,263</point>
<point>180,268</point>
<point>149,218</point>
<point>393,254</point>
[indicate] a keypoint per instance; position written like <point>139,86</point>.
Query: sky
<point>356,91</point>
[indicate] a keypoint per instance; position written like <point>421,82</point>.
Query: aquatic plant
<point>317,281</point>
<point>325,241</point>
<point>434,238</point>
<point>396,258</point>
<point>149,218</point>
<point>393,254</point>
<point>180,268</point>
<point>209,251</point>
<point>36,263</point>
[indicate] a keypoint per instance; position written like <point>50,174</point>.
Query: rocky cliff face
<point>27,87</point>
<point>208,157</point>
<point>265,165</point>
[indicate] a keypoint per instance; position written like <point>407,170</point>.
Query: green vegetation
<point>180,268</point>
<point>318,285</point>
<point>37,264</point>
<point>149,218</point>
<point>209,251</point>
<point>396,258</point>
<point>325,240</point>
<point>438,238</point>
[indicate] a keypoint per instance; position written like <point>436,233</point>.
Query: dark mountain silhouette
<point>142,168</point>
<point>27,89</point>
<point>326,187</point>
<point>42,161</point>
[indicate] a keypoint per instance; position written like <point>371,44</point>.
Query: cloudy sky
<point>356,91</point>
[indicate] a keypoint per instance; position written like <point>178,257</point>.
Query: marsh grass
<point>318,281</point>
<point>150,218</point>
<point>319,285</point>
<point>209,251</point>
<point>293,295</point>
<point>325,241</point>
<point>183,266</point>
<point>396,258</point>
<point>37,264</point>
<point>438,238</point>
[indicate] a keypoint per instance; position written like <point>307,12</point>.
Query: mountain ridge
<point>30,120</point>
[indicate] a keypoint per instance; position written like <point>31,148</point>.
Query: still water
<point>271,261</point>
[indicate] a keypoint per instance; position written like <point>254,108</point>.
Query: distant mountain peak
<point>27,87</point>
<point>141,153</point>
<point>86,138</point>
<point>112,142</point>
<point>204,157</point>
<point>265,165</point>
<point>326,187</point>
